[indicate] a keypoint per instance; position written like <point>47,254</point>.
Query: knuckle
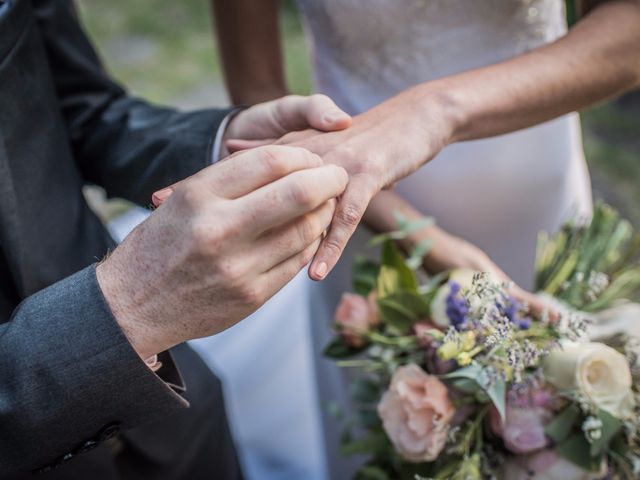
<point>309,229</point>
<point>273,161</point>
<point>350,215</point>
<point>202,238</point>
<point>190,195</point>
<point>208,237</point>
<point>231,274</point>
<point>333,245</point>
<point>354,155</point>
<point>301,195</point>
<point>252,295</point>
<point>318,99</point>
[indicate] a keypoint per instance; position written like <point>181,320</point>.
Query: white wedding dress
<point>497,193</point>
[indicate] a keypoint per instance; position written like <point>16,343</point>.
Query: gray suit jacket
<point>69,380</point>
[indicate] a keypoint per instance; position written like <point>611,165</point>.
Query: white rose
<point>597,371</point>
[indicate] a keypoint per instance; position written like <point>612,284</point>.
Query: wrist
<point>438,98</point>
<point>119,297</point>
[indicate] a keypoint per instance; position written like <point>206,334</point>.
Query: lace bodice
<point>367,50</point>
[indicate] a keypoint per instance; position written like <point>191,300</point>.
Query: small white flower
<point>592,428</point>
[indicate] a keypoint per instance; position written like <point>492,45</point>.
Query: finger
<point>323,114</point>
<point>236,144</point>
<point>248,171</point>
<point>159,197</point>
<point>283,273</point>
<point>295,112</point>
<point>281,243</point>
<point>536,305</point>
<point>292,196</point>
<point>351,206</point>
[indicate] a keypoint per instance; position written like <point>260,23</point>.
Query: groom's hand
<point>226,240</point>
<point>267,122</point>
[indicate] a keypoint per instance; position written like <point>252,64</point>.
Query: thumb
<point>296,112</point>
<point>323,114</point>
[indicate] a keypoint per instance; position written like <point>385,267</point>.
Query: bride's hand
<point>449,252</point>
<point>382,146</point>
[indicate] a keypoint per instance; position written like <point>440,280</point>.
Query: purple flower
<point>457,308</point>
<point>511,309</point>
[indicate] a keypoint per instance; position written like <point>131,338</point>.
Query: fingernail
<point>321,270</point>
<point>334,117</point>
<point>161,195</point>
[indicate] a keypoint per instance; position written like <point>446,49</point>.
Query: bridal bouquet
<point>457,381</point>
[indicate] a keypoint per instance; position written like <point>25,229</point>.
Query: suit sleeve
<point>126,145</point>
<point>69,375</point>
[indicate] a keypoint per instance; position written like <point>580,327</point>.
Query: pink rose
<point>544,465</point>
<point>355,316</point>
<point>523,428</point>
<point>416,412</point>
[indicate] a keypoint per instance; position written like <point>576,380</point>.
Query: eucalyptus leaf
<point>495,390</point>
<point>576,449</point>
<point>416,257</point>
<point>561,426</point>
<point>611,426</point>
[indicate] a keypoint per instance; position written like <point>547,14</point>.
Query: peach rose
<point>356,315</point>
<point>416,412</point>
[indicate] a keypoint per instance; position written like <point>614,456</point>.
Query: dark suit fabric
<point>73,393</point>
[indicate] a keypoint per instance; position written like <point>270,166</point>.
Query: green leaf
<point>365,275</point>
<point>576,449</point>
<point>496,391</point>
<point>498,394</point>
<point>466,385</point>
<point>402,309</point>
<point>391,257</point>
<point>418,252</point>
<point>372,443</point>
<point>364,390</point>
<point>561,426</point>
<point>388,281</point>
<point>337,348</point>
<point>610,428</point>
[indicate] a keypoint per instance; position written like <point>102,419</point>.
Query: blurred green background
<point>165,51</point>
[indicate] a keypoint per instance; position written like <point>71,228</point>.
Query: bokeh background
<point>165,51</point>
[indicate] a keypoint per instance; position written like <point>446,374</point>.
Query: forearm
<point>249,41</point>
<point>67,368</point>
<point>597,59</point>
